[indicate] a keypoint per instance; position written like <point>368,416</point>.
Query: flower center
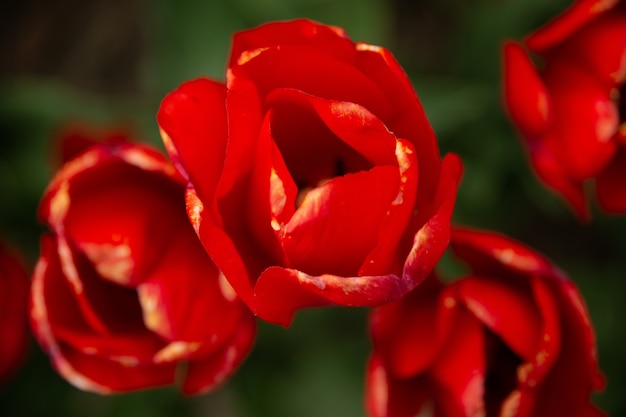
<point>312,153</point>
<point>501,373</point>
<point>304,188</point>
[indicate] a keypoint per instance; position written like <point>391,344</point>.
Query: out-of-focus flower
<point>512,338</point>
<point>124,296</point>
<point>572,111</point>
<point>13,312</point>
<point>315,177</point>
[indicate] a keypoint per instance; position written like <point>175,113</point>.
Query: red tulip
<point>124,296</point>
<point>572,112</point>
<point>314,174</point>
<point>511,338</point>
<point>13,312</point>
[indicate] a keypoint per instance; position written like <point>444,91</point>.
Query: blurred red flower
<point>124,296</point>
<point>14,332</point>
<point>572,111</point>
<point>314,174</point>
<point>512,338</point>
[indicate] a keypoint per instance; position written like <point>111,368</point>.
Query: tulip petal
<point>409,334</point>
<point>566,366</point>
<point>193,125</point>
<point>128,202</point>
<point>460,369</point>
<point>585,143</point>
<point>563,26</point>
<point>504,306</point>
<point>387,396</point>
<point>352,123</point>
<point>96,374</point>
<point>525,94</point>
<point>290,67</point>
<point>280,292</point>
<point>408,119</point>
<point>184,284</point>
<point>57,321</point>
<point>228,257</point>
<point>323,236</point>
<point>205,375</point>
<point>87,321</point>
<point>491,254</point>
<point>302,32</point>
<point>386,255</point>
<point>600,48</point>
<point>433,235</point>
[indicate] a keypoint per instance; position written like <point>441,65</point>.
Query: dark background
<point>112,61</point>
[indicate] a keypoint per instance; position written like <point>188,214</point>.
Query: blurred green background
<point>111,61</point>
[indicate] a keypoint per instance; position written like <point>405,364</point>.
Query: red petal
<point>505,308</point>
<point>205,375</point>
<point>600,48</point>
<point>280,292</point>
<point>569,354</point>
<point>563,26</point>
<point>98,318</point>
<point>185,284</point>
<point>460,369</point>
<point>408,119</point>
<point>324,236</point>
<point>296,32</point>
<point>611,185</point>
<point>349,121</point>
<point>387,396</point>
<point>584,144</point>
<point>433,236</point>
<point>272,193</point>
<point>130,206</point>
<point>525,94</point>
<point>96,374</point>
<point>485,250</point>
<point>410,333</point>
<point>193,125</point>
<point>220,246</point>
<point>384,256</point>
<point>314,72</point>
<point>121,185</point>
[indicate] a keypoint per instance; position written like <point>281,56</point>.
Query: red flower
<point>123,294</point>
<point>314,174</point>
<point>512,338</point>
<point>572,112</point>
<point>13,312</point>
